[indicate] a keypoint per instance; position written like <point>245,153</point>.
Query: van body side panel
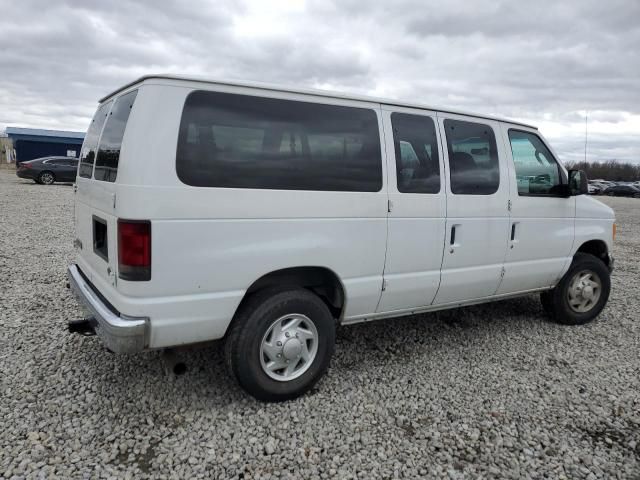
<point>474,254</point>
<point>416,232</point>
<point>210,244</point>
<point>543,234</point>
<point>594,221</point>
<point>588,229</point>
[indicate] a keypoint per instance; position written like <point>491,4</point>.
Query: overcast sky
<point>543,62</point>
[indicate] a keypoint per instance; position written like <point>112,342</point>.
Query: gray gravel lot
<point>493,391</point>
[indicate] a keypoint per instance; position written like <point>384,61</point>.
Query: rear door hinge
<point>502,272</point>
<point>384,284</point>
<point>114,201</point>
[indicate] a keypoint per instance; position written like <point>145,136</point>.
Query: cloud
<point>546,63</point>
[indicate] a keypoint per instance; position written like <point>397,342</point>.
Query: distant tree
<point>609,170</point>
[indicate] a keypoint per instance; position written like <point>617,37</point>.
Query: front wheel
<point>582,292</point>
<point>280,343</point>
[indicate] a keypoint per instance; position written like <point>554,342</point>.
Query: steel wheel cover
<point>289,347</point>
<point>584,291</point>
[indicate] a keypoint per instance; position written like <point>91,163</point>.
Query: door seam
<point>386,244</point>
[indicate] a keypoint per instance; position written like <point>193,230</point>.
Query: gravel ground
<point>493,391</point>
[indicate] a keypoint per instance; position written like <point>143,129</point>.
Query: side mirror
<point>578,184</point>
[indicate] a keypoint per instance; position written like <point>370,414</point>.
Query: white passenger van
<point>268,216</point>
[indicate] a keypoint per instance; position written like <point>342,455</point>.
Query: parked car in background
<point>622,191</point>
<point>595,187</point>
<point>48,170</point>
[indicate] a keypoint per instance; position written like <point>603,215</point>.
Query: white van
<point>267,216</point>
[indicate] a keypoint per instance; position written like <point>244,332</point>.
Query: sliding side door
<point>417,208</point>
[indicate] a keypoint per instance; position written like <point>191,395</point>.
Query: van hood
<point>589,207</point>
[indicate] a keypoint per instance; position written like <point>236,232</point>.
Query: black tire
<point>251,324</point>
<point>561,311</point>
<point>46,178</point>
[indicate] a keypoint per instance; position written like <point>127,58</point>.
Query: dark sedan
<point>47,170</point>
<point>622,191</point>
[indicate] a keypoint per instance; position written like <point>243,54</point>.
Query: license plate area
<point>100,238</point>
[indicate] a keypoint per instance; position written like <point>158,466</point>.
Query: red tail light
<point>24,165</point>
<point>134,250</point>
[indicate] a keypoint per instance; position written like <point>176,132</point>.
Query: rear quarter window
<point>240,141</point>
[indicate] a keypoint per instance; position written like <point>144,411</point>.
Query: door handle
<point>513,234</point>
<point>452,239</point>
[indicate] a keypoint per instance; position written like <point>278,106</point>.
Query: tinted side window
<point>241,141</point>
<point>111,140</point>
<point>416,147</point>
<point>90,145</point>
<point>473,158</point>
<point>537,172</point>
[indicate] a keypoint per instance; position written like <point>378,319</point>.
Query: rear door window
<point>90,145</point>
<point>111,139</point>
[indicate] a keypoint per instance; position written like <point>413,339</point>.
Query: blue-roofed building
<point>30,143</point>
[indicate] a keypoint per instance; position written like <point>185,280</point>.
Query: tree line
<point>609,170</point>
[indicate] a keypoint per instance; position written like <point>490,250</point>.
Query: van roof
<point>310,91</point>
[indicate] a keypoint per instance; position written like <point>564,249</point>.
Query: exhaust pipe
<point>82,326</point>
<point>172,363</point>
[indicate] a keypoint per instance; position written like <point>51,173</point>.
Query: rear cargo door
<point>95,219</point>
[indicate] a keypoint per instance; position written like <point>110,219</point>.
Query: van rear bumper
<point>119,333</point>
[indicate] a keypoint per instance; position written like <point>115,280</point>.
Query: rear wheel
<point>46,178</point>
<point>582,292</point>
<point>280,343</point>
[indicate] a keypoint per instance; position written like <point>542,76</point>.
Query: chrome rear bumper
<point>119,333</point>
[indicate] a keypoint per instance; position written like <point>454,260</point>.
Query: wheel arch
<point>597,248</point>
<point>322,281</point>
